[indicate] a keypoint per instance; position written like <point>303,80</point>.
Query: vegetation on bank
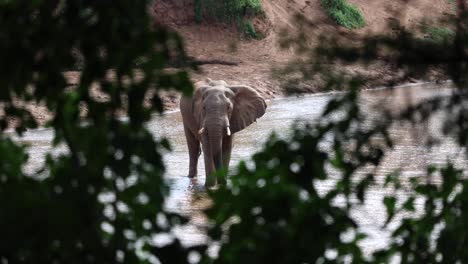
<point>239,12</point>
<point>249,30</point>
<point>344,13</point>
<point>438,34</point>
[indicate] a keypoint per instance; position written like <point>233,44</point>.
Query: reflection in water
<point>188,195</point>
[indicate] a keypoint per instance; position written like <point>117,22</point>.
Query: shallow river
<point>409,153</point>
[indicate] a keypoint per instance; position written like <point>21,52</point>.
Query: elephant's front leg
<point>194,152</point>
<point>227,149</point>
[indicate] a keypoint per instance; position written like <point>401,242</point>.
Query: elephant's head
<point>221,110</point>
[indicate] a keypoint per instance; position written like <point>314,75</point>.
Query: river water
<point>409,152</point>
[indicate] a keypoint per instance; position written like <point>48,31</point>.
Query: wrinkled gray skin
<point>211,116</point>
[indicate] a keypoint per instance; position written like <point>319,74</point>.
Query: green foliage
<point>344,13</point>
<point>249,30</point>
<point>230,11</point>
<point>438,234</point>
<point>440,35</point>
<point>227,10</point>
<point>97,201</point>
<point>198,10</point>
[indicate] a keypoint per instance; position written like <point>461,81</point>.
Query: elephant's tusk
<point>201,130</point>
<point>228,131</point>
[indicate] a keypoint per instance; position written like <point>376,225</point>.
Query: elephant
<point>211,116</point>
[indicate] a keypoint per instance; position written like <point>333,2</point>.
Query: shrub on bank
<point>344,13</point>
<point>227,10</point>
<point>230,11</point>
<point>438,34</point>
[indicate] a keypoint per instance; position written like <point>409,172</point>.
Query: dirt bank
<point>257,57</point>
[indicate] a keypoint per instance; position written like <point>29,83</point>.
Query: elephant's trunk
<point>213,133</point>
<point>215,139</point>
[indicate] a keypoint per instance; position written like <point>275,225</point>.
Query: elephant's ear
<point>248,106</point>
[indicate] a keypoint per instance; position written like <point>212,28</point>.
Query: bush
<point>230,11</point>
<point>248,29</point>
<point>439,35</point>
<point>227,10</point>
<point>344,14</point>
